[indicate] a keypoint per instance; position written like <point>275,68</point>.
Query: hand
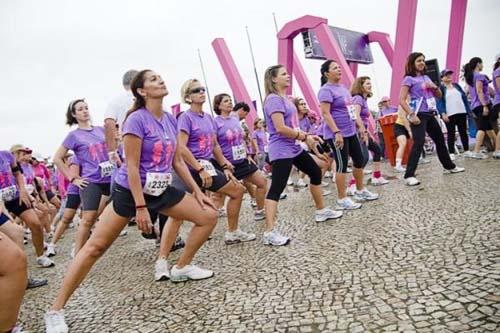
<point>203,200</point>
<point>80,183</point>
<point>115,158</point>
<point>206,179</point>
<point>230,166</point>
<point>413,119</point>
<point>364,137</point>
<point>251,160</point>
<point>339,140</point>
<point>445,117</point>
<point>24,197</point>
<point>431,85</point>
<point>485,110</point>
<point>143,220</point>
<point>230,176</point>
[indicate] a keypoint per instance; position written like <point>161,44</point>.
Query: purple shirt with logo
<point>229,135</point>
<point>305,124</point>
<point>260,136</point>
<point>364,113</point>
<point>475,102</point>
<point>339,99</point>
<point>201,129</point>
<point>7,178</point>
<point>28,172</point>
<point>418,90</point>
<point>281,147</point>
<point>158,143</point>
<point>496,74</point>
<point>385,111</point>
<point>90,148</point>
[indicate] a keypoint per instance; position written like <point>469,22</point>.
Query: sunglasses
<point>198,90</point>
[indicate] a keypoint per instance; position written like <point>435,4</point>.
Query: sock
<point>398,161</point>
<point>376,174</point>
<point>352,182</point>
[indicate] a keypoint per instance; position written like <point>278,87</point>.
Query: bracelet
<point>72,179</point>
<point>225,167</point>
<point>297,136</point>
<point>305,138</point>
<point>141,206</point>
<point>336,132</point>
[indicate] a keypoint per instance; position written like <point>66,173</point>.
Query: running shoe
<point>365,195</point>
<point>324,184</point>
<point>399,168</point>
<point>35,283</point>
<point>453,157</point>
<point>55,323</point>
<point>379,181</point>
<point>347,204</point>
<point>351,189</point>
<point>259,215</point>
<point>222,212</point>
<point>326,192</point>
<point>238,236</point>
<point>51,250</point>
<point>289,182</point>
<point>422,160</point>
<point>253,203</point>
<point>189,272</point>
<point>479,156</point>
<point>454,170</point>
<point>328,174</point>
<point>367,171</point>
<point>412,181</point>
<point>162,270</point>
<point>283,196</point>
<point>44,261</point>
<point>496,155</point>
<point>468,154</point>
<point>274,238</point>
<point>326,213</point>
<point>301,183</point>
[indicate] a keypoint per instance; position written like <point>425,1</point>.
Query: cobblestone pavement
<point>424,259</point>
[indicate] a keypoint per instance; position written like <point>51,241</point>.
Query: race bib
<point>239,152</point>
<point>8,193</point>
<point>156,183</point>
<point>266,149</point>
<point>29,188</point>
<point>106,168</point>
<point>431,103</point>
<point>209,167</point>
<point>415,104</point>
<point>352,113</point>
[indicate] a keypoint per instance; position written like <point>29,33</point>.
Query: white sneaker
<point>253,203</point>
<point>453,157</point>
<point>222,212</point>
<point>301,183</point>
<point>189,272</point>
<point>422,160</point>
<point>351,189</point>
<point>324,184</point>
<point>399,168</point>
<point>54,322</point>
<point>274,238</point>
<point>238,236</point>
<point>468,154</point>
<point>412,181</point>
<point>289,182</point>
<point>379,181</point>
<point>455,170</point>
<point>479,156</point>
<point>326,192</point>
<point>44,261</point>
<point>349,170</point>
<point>259,215</point>
<point>326,213</point>
<point>51,250</point>
<point>123,233</point>
<point>328,174</point>
<point>365,195</point>
<point>162,270</point>
<point>347,204</point>
<point>367,171</point>
<point>496,155</point>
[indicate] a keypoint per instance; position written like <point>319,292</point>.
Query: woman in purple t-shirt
<point>143,187</point>
<point>89,145</point>
<point>285,151</point>
<point>340,132</point>
<point>259,138</point>
<point>209,167</point>
<point>421,113</point>
<point>231,141</point>
<point>361,90</point>
<point>496,102</point>
<point>480,104</point>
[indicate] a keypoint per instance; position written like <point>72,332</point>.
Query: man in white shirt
<point>115,115</point>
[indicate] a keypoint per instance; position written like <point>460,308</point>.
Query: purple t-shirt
<point>320,129</point>
<point>386,111</point>
<point>90,148</point>
<point>496,74</point>
<point>305,124</point>
<point>418,91</point>
<point>260,136</point>
<point>6,176</point>
<point>339,99</point>
<point>158,143</point>
<point>28,173</point>
<point>201,129</point>
<point>475,102</point>
<point>73,189</point>
<point>281,147</point>
<point>229,135</point>
<point>364,113</point>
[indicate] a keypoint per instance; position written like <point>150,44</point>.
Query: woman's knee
<point>95,248</point>
<point>234,191</point>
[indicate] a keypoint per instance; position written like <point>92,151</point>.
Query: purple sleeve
<point>254,135</point>
<point>407,81</point>
<point>74,160</point>
<point>69,141</point>
<point>325,96</point>
<point>133,125</point>
<point>275,104</point>
<point>358,100</point>
<point>184,124</point>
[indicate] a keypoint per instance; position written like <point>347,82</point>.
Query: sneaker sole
<point>259,218</point>
<point>184,278</point>
<point>163,277</point>
<point>329,218</point>
<point>51,265</point>
<point>284,244</point>
<point>239,241</point>
<point>343,208</point>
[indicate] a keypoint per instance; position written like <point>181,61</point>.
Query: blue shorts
<point>3,219</point>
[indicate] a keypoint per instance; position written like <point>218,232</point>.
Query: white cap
<point>37,156</point>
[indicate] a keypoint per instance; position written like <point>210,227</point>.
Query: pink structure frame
<point>395,54</point>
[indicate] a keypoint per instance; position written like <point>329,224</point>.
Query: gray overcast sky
<point>55,51</point>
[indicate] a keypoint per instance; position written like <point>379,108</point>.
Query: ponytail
<point>469,70</point>
<point>325,67</point>
<point>136,84</point>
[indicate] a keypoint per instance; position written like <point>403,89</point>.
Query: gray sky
<point>55,51</point>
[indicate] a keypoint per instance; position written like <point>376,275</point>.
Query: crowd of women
<point>148,165</point>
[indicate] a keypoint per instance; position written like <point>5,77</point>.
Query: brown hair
<point>269,75</point>
<point>217,100</point>
<point>255,122</point>
<point>296,101</point>
<point>136,84</point>
<point>357,86</point>
<point>410,69</point>
<point>70,118</point>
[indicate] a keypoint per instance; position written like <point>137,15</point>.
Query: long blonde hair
<point>269,75</point>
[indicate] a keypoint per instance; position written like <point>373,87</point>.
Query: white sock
<point>398,162</point>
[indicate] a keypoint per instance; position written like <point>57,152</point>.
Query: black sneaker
<point>179,244</point>
<point>35,283</point>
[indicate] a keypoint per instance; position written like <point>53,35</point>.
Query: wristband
<point>305,138</point>
<point>71,180</point>
<point>297,136</point>
<point>225,167</point>
<point>141,206</point>
<point>336,132</point>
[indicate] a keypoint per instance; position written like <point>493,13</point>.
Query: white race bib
<point>351,111</point>
<point>29,188</point>
<point>239,152</point>
<point>8,193</point>
<point>431,103</point>
<point>157,183</point>
<point>266,149</point>
<point>106,168</point>
<point>209,167</point>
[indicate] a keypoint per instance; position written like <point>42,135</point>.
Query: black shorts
<point>495,111</point>
<point>244,169</point>
<point>353,148</point>
<point>49,194</point>
<point>484,123</point>
<point>73,201</point>
<point>400,130</point>
<point>15,208</point>
<point>218,181</point>
<point>91,195</point>
<point>124,204</point>
<point>3,219</point>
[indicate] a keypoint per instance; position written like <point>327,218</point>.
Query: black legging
<point>374,148</point>
<point>460,121</point>
<point>352,147</point>
<point>281,171</point>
